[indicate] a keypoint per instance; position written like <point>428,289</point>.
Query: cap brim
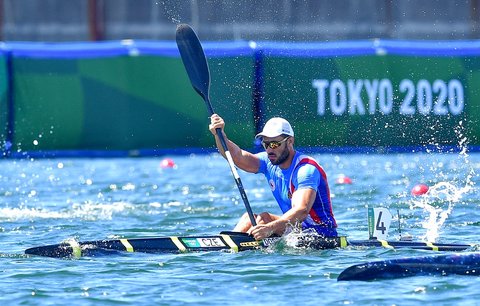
<point>262,134</point>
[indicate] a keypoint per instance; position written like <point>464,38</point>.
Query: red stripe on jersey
<point>313,214</point>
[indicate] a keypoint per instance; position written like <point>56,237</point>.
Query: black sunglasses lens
<point>272,144</point>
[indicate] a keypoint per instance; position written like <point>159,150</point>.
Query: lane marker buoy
<point>419,190</point>
<point>343,179</point>
<point>167,163</point>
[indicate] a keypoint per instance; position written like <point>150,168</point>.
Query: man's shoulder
<point>306,168</point>
<point>263,162</point>
<point>304,159</point>
<point>307,165</point>
<point>262,156</point>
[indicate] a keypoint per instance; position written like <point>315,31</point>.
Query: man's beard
<point>283,157</point>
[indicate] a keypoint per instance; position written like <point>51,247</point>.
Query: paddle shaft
<point>231,163</point>
<point>196,64</point>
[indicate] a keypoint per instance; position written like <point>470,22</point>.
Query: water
<point>48,201</point>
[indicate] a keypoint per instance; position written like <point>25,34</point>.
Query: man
<point>297,181</point>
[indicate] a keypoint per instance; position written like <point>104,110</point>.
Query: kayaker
<point>298,183</point>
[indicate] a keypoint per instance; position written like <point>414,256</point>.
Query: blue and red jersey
<point>304,172</point>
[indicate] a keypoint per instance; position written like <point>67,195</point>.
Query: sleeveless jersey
<point>304,172</point>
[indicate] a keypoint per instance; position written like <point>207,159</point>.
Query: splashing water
<point>431,202</point>
<point>294,241</point>
<point>445,192</point>
<point>171,11</point>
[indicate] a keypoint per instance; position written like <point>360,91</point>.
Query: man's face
<point>276,148</point>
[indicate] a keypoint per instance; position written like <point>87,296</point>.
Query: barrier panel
<point>135,96</point>
<point>4,96</point>
<point>124,96</point>
<point>375,93</point>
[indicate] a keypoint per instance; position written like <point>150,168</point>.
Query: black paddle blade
<point>194,60</point>
<point>196,65</point>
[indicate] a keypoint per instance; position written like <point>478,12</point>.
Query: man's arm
<point>242,159</point>
<point>302,202</point>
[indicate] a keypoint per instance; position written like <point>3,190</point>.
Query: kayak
<point>225,241</point>
<point>462,264</point>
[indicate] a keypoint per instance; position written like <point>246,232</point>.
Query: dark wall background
<point>290,20</point>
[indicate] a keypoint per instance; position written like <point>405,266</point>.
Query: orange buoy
<point>419,190</point>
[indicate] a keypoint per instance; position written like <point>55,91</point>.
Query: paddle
<point>196,65</point>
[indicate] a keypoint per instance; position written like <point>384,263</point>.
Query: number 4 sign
<point>379,219</point>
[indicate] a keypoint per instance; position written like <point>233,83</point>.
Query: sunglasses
<point>273,144</point>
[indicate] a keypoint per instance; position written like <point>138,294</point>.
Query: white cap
<point>276,127</point>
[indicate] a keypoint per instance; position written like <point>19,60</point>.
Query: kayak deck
<point>231,241</point>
